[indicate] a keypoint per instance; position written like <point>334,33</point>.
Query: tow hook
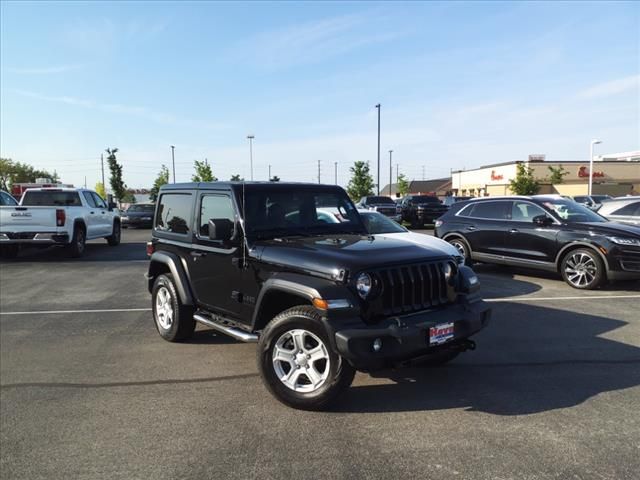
<point>468,345</point>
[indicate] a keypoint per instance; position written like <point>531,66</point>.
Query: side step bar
<point>233,332</point>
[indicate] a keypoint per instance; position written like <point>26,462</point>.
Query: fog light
<point>377,345</point>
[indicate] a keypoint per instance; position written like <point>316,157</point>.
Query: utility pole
<point>318,171</point>
<point>378,107</point>
<point>269,172</point>
<point>102,165</point>
<point>173,161</point>
<point>85,181</point>
<point>422,172</point>
<point>335,167</point>
<point>251,137</point>
<point>397,173</point>
<point>391,172</point>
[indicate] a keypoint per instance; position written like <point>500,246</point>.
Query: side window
<point>491,210</point>
<point>99,201</point>
<point>214,206</point>
<point>174,212</point>
<point>6,199</point>
<point>89,199</point>
<point>627,209</point>
<point>525,211</point>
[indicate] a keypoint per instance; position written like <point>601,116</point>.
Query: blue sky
<point>461,85</point>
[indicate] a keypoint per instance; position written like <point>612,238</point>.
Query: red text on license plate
<point>441,333</point>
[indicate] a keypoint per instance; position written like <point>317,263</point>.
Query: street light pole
<point>335,168</point>
<point>251,137</point>
<point>173,162</point>
<point>378,107</point>
<point>593,142</point>
<point>269,173</point>
<point>391,172</point>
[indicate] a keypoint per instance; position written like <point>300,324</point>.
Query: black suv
<point>420,209</point>
<point>384,205</point>
<point>544,232</point>
<point>256,262</point>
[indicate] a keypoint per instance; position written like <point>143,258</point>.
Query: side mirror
<point>111,206</point>
<point>542,220</point>
<point>220,229</point>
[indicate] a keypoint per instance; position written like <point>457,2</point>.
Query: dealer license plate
<point>441,333</point>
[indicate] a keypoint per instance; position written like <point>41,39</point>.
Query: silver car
<point>622,209</point>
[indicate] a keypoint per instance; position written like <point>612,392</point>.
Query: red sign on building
<point>583,172</point>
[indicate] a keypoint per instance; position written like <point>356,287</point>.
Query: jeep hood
<point>328,255</point>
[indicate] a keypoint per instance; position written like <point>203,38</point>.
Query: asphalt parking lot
<point>90,390</point>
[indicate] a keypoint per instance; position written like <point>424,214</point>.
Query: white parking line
<point>51,312</point>
<point>546,299</point>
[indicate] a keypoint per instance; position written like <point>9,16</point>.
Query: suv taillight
<point>61,217</point>
<point>150,248</point>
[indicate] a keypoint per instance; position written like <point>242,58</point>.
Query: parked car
<point>7,200</point>
<point>448,201</point>
<point>138,215</point>
<point>544,232</point>
<point>591,201</point>
<point>622,209</point>
<point>420,209</point>
<point>383,227</point>
<point>58,216</point>
<point>256,262</point>
<point>384,205</point>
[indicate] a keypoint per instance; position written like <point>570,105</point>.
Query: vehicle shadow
<point>498,283</point>
<point>529,359</point>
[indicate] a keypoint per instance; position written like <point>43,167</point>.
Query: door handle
<point>513,230</point>
<point>471,228</point>
<point>197,254</point>
<point>92,213</point>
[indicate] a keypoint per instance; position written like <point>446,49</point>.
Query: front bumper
<point>34,238</point>
<point>407,337</point>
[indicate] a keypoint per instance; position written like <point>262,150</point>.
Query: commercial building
<point>438,186</point>
<point>613,174</point>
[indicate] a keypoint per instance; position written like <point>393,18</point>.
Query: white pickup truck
<point>57,216</point>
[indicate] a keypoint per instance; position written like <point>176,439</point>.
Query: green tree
<point>236,178</point>
<point>403,185</point>
<point>524,183</point>
<point>361,182</point>
<point>161,179</point>
<point>557,174</point>
<point>118,186</point>
<point>6,173</point>
<point>275,178</point>
<point>100,190</point>
<point>203,172</point>
<point>15,172</point>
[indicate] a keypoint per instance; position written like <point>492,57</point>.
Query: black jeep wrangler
<point>257,262</point>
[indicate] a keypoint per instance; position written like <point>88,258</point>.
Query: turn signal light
<point>61,217</point>
<point>150,248</point>
<point>320,303</point>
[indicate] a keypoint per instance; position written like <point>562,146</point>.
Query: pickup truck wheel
<point>297,363</point>
<point>78,242</point>
<point>416,223</point>
<point>9,251</point>
<point>114,238</point>
<point>173,320</point>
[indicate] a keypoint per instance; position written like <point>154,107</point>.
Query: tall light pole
<point>593,142</point>
<point>251,137</point>
<point>173,162</point>
<point>391,172</point>
<point>335,171</point>
<point>378,107</point>
<point>318,171</point>
<point>269,173</point>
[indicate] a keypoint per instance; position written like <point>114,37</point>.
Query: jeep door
<point>215,266</point>
<point>527,241</point>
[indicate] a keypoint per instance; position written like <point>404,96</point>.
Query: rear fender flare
<point>162,261</point>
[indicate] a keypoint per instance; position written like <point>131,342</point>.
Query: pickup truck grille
<point>411,288</point>
<point>388,211</point>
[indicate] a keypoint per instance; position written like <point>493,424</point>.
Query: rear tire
<point>583,269</point>
<point>78,242</point>
<point>174,321</point>
<point>297,363</point>
<point>9,251</point>
<point>114,239</point>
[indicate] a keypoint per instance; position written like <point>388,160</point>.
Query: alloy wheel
<point>164,308</point>
<point>581,269</point>
<point>461,247</point>
<point>301,360</point>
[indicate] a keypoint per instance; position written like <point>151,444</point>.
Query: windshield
<point>380,200</point>
<point>425,199</point>
<point>141,208</point>
<point>571,212</point>
<point>280,212</point>
<point>376,223</point>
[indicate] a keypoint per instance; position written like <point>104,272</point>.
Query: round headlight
<point>449,271</point>
<point>363,285</point>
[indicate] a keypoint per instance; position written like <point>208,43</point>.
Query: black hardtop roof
<point>248,185</point>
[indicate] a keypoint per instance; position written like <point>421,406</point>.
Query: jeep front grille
<point>410,288</point>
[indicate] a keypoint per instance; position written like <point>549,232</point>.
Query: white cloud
<point>612,87</point>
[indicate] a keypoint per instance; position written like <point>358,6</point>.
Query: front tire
<point>462,247</point>
<point>174,321</point>
<point>114,238</point>
<point>297,363</point>
<point>583,269</point>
